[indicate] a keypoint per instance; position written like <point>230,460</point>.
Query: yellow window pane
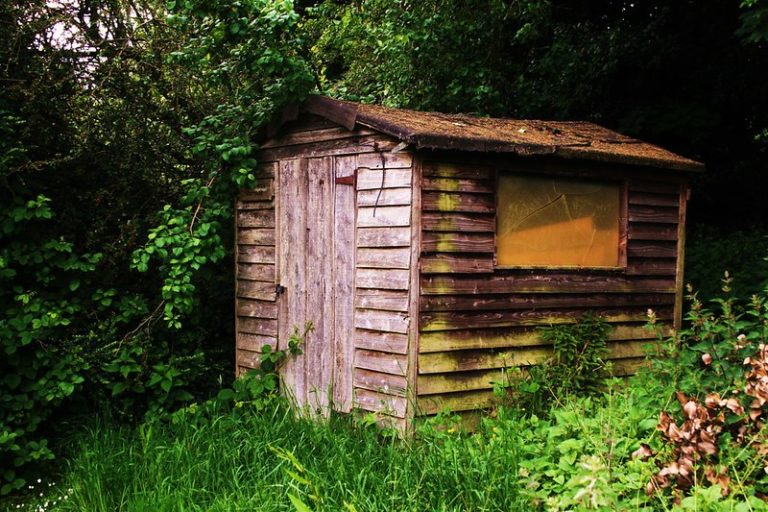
<point>557,222</point>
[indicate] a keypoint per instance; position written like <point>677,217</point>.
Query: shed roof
<point>434,130</point>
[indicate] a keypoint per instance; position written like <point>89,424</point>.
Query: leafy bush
<point>718,366</point>
<point>577,367</point>
<point>581,457</point>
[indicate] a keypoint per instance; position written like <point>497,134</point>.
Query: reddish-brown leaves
<point>695,441</point>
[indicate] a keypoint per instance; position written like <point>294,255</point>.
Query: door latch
<point>279,289</point>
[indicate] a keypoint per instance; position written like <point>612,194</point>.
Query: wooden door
<point>315,223</point>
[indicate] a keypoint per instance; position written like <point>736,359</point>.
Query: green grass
<point>242,461</point>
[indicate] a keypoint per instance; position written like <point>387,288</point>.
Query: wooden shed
<point>427,249</point>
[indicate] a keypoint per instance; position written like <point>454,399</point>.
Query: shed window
<point>560,222</point>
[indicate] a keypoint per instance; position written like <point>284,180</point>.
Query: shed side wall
<point>476,320</point>
<point>255,302</point>
<point>383,283</point>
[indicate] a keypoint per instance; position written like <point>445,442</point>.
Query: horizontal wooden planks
<point>458,242</point>
<point>383,216</point>
<point>256,272</point>
<point>256,254</point>
<point>255,342</point>
<point>385,160</point>
<point>470,360</point>
<point>473,380</point>
<point>295,138</point>
<point>457,264</point>
<point>256,290</point>
<point>263,326</point>
<point>383,263</point>
<point>380,382</point>
<point>385,279</point>
<point>255,306</point>
<point>384,300</point>
<point>468,339</point>
<point>478,186</point>
<point>352,145</point>
<point>384,237</point>
<point>651,231</point>
<point>456,171</point>
<point>476,319</point>
<point>256,218</point>
<point>390,342</point>
<point>375,179</point>
<point>455,402</point>
<point>384,257</point>
<point>522,301</point>
<point>382,362</point>
<point>479,319</point>
<point>457,202</point>
<point>384,197</point>
<point>544,282</point>
<point>381,403</point>
<point>458,222</point>
<point>384,321</point>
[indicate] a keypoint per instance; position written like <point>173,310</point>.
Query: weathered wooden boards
<point>475,320</point>
<point>392,259</point>
<point>383,281</point>
<point>316,270</point>
<point>297,229</point>
<point>255,303</point>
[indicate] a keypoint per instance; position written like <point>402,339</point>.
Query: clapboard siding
<point>383,280</point>
<point>442,341</point>
<point>433,322</point>
<point>468,360</point>
<point>475,320</point>
<point>255,306</point>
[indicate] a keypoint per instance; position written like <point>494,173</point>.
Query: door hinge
<point>347,180</point>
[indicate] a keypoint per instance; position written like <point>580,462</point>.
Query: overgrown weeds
<point>686,434</point>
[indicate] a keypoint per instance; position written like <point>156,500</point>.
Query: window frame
<point>623,186</point>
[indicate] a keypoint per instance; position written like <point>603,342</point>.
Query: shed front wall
<point>334,227</point>
<point>476,319</point>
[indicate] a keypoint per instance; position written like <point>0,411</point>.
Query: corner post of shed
<point>414,294</point>
<point>685,192</point>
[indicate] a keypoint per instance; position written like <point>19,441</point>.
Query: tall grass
<point>270,460</point>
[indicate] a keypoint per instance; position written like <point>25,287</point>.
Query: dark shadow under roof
<point>433,130</point>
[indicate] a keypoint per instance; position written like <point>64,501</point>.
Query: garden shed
<point>427,250</point>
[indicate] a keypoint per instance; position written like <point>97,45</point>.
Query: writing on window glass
<point>557,222</point>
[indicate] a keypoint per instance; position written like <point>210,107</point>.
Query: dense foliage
<point>127,126</point>
<point>636,445</point>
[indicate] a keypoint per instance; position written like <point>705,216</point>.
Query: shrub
<point>718,368</point>
<point>577,366</point>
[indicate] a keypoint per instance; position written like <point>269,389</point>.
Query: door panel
<point>344,282</point>
<point>319,274</point>
<point>291,261</point>
<point>315,225</point>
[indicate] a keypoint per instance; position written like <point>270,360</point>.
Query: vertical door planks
<point>344,283</point>
<point>292,250</point>
<point>319,283</point>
